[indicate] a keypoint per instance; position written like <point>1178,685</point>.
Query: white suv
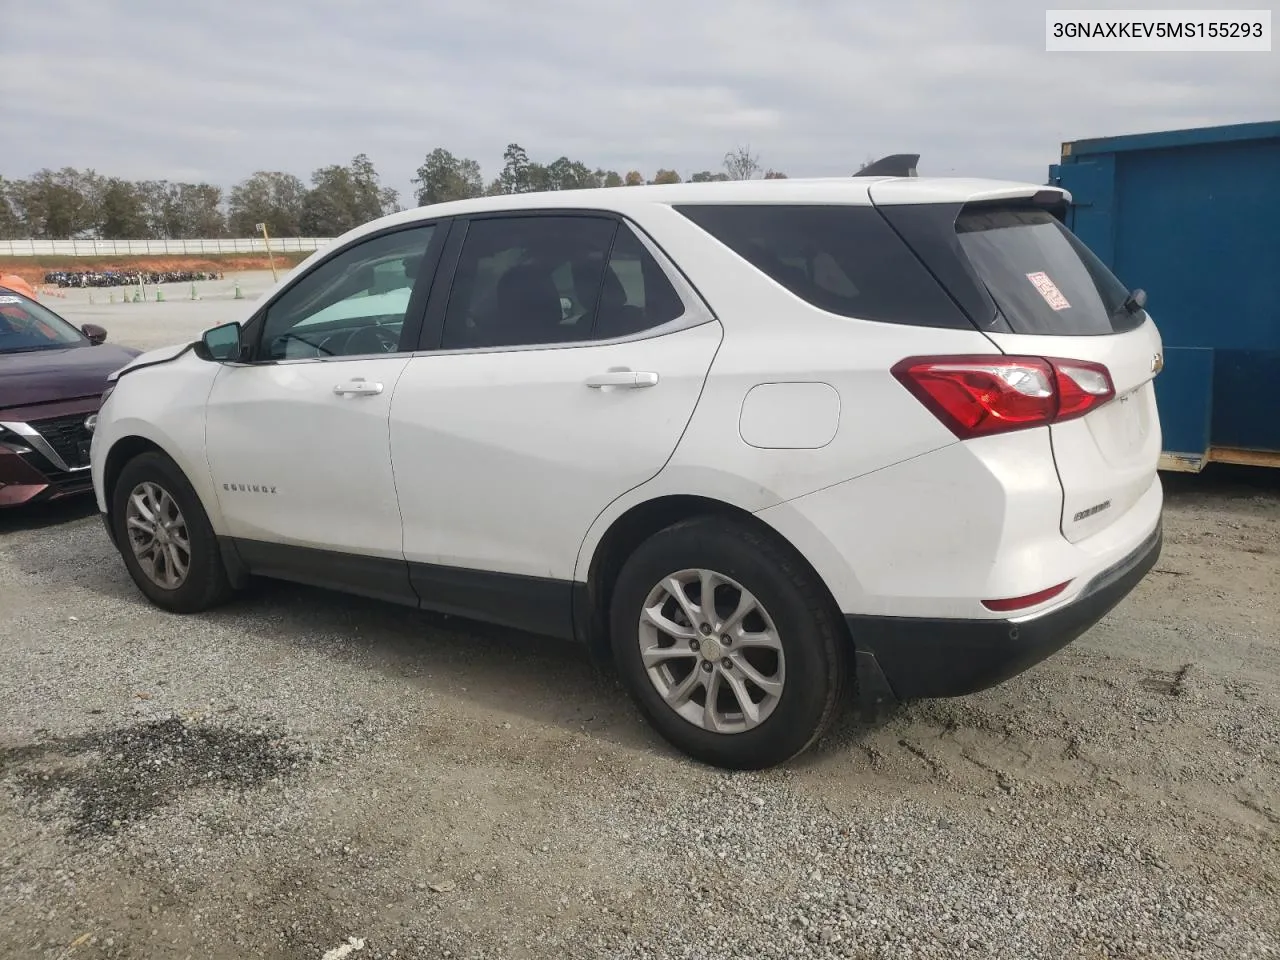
<point>751,439</point>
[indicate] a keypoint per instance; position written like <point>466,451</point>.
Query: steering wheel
<point>372,339</point>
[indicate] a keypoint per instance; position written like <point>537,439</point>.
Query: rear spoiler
<point>896,165</point>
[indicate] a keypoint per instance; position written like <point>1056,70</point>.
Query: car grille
<point>69,438</point>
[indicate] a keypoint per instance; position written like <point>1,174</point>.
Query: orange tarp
<point>17,285</point>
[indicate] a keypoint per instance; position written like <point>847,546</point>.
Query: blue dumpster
<point>1193,218</point>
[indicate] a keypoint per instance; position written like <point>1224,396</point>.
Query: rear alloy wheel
<point>726,641</point>
<point>711,651</point>
<point>165,537</point>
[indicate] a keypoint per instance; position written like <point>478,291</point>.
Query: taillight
<point>1081,387</point>
<point>980,395</point>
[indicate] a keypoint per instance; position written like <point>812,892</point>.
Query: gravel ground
<point>303,775</point>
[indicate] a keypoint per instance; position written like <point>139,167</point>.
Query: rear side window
<point>636,294</point>
<point>1043,279</point>
<point>527,280</point>
<point>843,259</point>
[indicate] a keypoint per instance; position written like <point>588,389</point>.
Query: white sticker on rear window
<point>10,300</point>
<point>1049,290</point>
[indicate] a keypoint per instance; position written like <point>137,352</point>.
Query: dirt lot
<point>34,269</point>
<point>302,775</point>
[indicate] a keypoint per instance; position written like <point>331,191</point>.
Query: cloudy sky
<point>213,91</point>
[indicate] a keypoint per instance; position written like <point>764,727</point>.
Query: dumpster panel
<point>1193,218</point>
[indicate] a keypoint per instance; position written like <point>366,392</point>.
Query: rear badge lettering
<point>1096,508</point>
<point>248,488</point>
<point>1049,290</point>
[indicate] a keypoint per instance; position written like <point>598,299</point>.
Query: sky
<point>181,90</point>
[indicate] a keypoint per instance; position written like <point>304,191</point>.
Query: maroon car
<point>52,377</point>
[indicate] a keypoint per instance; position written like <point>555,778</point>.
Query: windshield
<point>1043,279</point>
<point>26,325</point>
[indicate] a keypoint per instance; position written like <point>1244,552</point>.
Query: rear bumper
<point>900,658</point>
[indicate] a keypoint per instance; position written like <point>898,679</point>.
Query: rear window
<point>843,259</point>
<point>1043,279</point>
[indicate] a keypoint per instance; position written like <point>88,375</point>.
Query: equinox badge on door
<point>248,488</point>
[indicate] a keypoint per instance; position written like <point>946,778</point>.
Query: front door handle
<point>358,387</point>
<point>628,379</point>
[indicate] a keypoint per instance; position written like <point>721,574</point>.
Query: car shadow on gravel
<point>502,670</point>
<point>42,516</point>
<point>1224,482</point>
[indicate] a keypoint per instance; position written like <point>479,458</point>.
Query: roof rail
<point>897,165</point>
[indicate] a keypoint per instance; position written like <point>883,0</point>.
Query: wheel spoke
<point>707,596</point>
<point>655,654</point>
<point>177,566</point>
<point>668,626</point>
<point>768,686</point>
<point>168,508</point>
<point>710,715</point>
<point>750,710</point>
<point>676,589</point>
<point>142,526</point>
<point>679,695</point>
<point>160,566</point>
<point>141,503</point>
<point>179,537</point>
<point>746,603</point>
<point>765,640</point>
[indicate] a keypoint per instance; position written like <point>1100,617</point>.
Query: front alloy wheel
<point>158,535</point>
<point>164,536</point>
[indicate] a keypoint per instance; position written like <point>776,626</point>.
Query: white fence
<point>135,248</point>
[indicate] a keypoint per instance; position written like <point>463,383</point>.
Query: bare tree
<point>741,164</point>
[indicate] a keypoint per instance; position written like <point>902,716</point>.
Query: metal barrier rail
<point>136,248</point>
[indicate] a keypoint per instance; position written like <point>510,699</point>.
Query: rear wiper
<point>1136,301</point>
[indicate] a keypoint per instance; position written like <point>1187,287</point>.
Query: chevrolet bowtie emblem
<point>1157,363</point>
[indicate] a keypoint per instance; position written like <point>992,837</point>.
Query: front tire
<point>165,537</point>
<point>728,644</point>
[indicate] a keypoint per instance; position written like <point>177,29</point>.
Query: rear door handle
<point>358,387</point>
<point>629,379</point>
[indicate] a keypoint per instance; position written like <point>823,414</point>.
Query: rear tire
<point>786,654</point>
<point>165,538</point>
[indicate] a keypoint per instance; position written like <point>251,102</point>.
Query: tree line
<point>70,203</point>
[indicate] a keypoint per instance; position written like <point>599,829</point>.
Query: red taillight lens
<point>980,395</point>
<point>1081,387</point>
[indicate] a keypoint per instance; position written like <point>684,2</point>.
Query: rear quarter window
<point>843,259</point>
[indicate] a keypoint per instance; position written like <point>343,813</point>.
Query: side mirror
<point>221,344</point>
<point>1136,301</point>
<point>95,333</point>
